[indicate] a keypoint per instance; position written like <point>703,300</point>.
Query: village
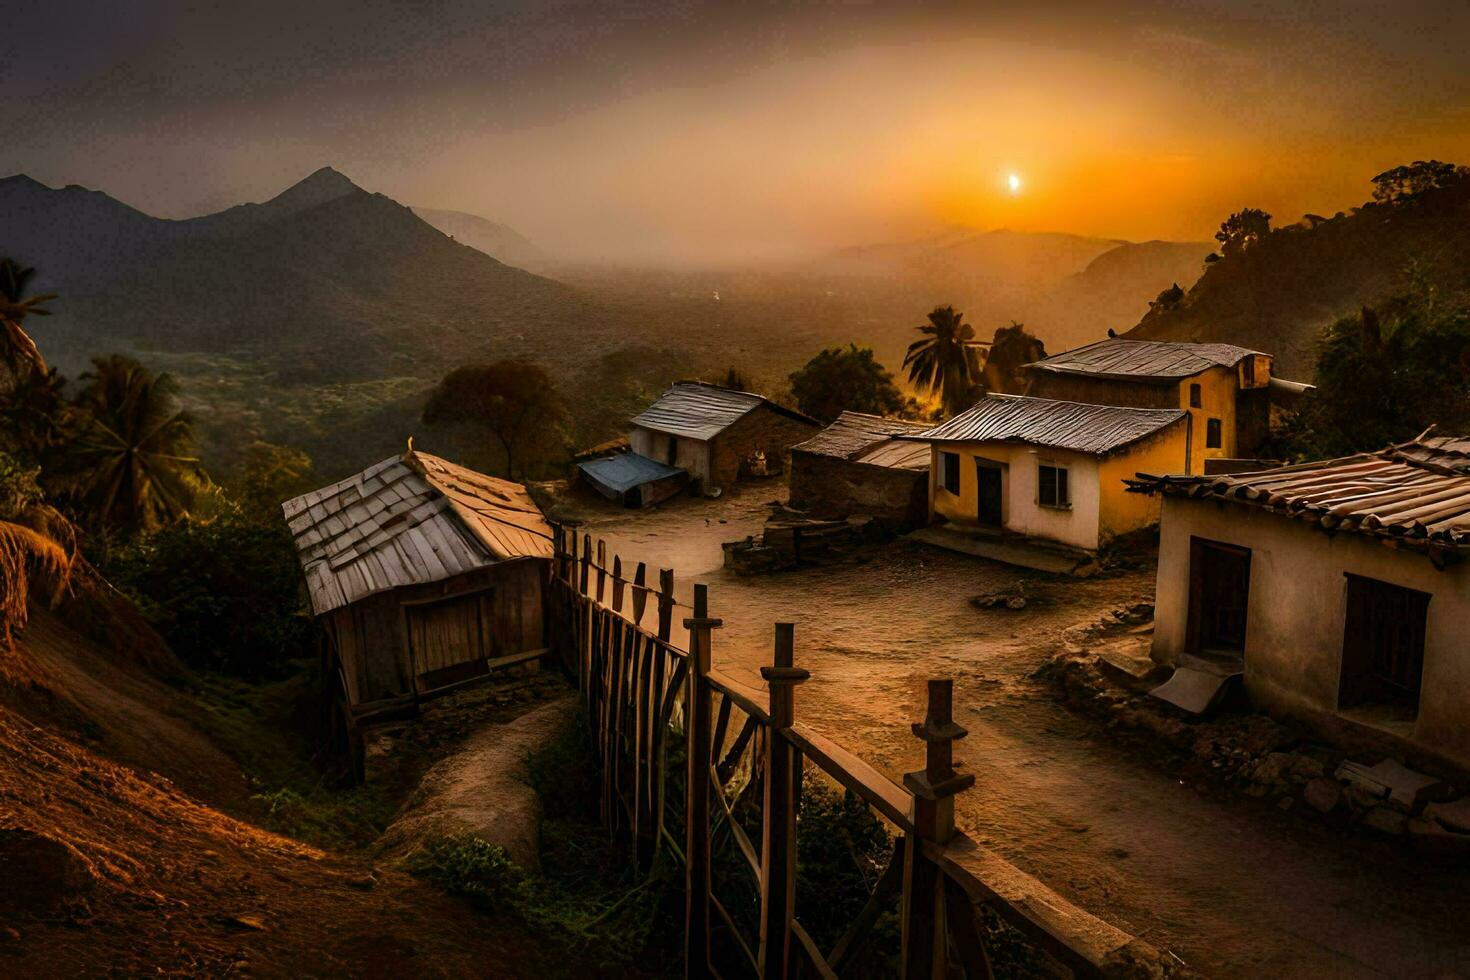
<point>788,491</point>
<point>1009,550</point>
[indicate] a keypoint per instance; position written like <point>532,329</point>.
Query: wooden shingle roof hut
<point>425,574</point>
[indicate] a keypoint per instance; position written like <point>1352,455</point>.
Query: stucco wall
<point>1020,512</point>
<point>1217,400</point>
<point>1296,609</point>
<point>829,487</point>
<point>1122,511</point>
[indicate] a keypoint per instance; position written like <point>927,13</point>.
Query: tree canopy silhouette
<point>1012,349</point>
<point>1411,180</point>
<point>1243,229</point>
<point>947,360</point>
<point>845,379</point>
<point>18,351</point>
<point>513,400</point>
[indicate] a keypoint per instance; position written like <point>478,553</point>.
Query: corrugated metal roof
<point>855,433</point>
<point>901,454</point>
<point>625,471</point>
<point>1140,359</point>
<point>1418,492</point>
<point>409,520</point>
<point>702,411</point>
<point>1083,428</point>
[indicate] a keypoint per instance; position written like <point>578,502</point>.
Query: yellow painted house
<point>1051,469</point>
<point>1226,390</point>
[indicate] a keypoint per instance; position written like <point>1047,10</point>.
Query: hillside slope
<point>498,241</point>
<point>1278,295</point>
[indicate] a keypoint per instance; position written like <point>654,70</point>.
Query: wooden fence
<point>649,701</point>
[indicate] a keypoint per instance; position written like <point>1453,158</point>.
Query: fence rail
<point>648,700</point>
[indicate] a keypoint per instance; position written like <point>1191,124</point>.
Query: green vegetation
<point>1399,184</point>
<point>845,379</point>
<point>1386,375</point>
<point>468,866</point>
<point>1242,230</point>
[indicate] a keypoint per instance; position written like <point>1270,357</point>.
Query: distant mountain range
<point>1068,289</point>
<point>495,240</point>
<point>1278,295</point>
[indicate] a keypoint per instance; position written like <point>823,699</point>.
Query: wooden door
<point>443,635</point>
<point>1219,596</point>
<point>988,496</point>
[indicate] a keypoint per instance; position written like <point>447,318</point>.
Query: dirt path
<point>1231,886</point>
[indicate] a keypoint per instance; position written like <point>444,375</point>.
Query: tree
<point>1384,376</point>
<point>17,350</point>
<point>845,379</point>
<point>513,400</point>
<point>36,544</point>
<point>946,361</point>
<point>1012,349</point>
<point>268,476</point>
<point>1243,229</point>
<point>131,467</point>
<point>1411,180</point>
<point>732,377</point>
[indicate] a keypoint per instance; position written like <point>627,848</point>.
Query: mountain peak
<point>317,187</point>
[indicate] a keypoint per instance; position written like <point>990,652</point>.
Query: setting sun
<point>1013,183</point>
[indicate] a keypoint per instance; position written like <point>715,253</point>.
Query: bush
<point>226,593</point>
<point>469,866</point>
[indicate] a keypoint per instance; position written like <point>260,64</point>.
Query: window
<point>672,452</point>
<point>1051,486</point>
<point>949,471</point>
<point>1248,373</point>
<point>1212,434</point>
<point>1194,396</point>
<point>1383,644</point>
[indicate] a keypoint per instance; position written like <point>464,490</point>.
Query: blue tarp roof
<point>625,471</point>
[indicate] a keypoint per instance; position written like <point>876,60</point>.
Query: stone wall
<point>836,488</point>
<point>763,429</point>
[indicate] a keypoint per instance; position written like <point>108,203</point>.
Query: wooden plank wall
<point>615,632</point>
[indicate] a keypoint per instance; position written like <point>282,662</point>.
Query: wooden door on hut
<point>449,639</point>
<point>1219,598</point>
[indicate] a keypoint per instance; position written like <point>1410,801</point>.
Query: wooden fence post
<point>617,584</point>
<point>601,568</point>
<point>665,603</point>
<point>696,814</point>
<point>934,788</point>
<point>586,560</point>
<point>640,592</point>
<point>778,846</point>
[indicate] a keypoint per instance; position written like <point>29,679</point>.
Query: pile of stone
<point>790,541</point>
<point>1262,758</point>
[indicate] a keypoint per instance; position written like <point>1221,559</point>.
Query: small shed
<point>718,434</point>
<point>425,575</point>
<point>632,480</point>
<point>858,466</point>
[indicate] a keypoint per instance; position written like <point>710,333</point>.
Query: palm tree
<point>132,465</point>
<point>17,350</point>
<point>947,360</point>
<point>27,556</point>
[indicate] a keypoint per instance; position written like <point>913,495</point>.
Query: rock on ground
<point>483,789</point>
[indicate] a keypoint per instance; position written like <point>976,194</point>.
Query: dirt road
<point>1231,886</point>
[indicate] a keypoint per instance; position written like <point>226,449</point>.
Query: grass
<point>269,728</point>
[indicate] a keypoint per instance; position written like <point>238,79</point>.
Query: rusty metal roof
<point>1080,427</point>
<point>409,520</point>
<point>856,433</point>
<point>1417,493</point>
<point>1142,360</point>
<point>700,410</point>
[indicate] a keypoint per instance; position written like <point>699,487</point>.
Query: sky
<point>690,133</point>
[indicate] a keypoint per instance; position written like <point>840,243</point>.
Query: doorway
<point>1219,598</point>
<point>989,502</point>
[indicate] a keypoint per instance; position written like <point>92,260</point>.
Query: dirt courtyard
<point>1229,885</point>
